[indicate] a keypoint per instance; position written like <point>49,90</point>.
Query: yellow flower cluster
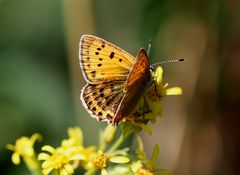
<point>72,154</point>
<point>24,148</point>
<point>69,156</point>
<point>100,161</point>
<point>150,106</point>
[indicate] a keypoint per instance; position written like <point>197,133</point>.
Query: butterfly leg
<point>155,86</point>
<point>143,109</point>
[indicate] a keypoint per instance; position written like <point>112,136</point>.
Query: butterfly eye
<point>151,69</point>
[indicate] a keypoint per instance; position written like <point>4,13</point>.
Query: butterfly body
<point>115,79</point>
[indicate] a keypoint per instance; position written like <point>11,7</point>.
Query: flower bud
<point>109,134</point>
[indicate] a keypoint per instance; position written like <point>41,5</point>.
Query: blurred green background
<point>40,78</point>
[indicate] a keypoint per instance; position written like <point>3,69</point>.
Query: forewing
<point>135,86</point>
<point>102,61</point>
<point>102,100</point>
<point>140,70</point>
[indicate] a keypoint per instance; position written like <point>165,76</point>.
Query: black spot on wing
<point>112,55</point>
<point>93,73</point>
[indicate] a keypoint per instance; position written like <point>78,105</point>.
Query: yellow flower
<point>68,157</point>
<point>101,160</point>
<point>150,106</point>
<point>62,159</point>
<point>24,148</point>
<point>142,171</point>
<point>162,87</point>
<point>138,169</point>
<point>75,137</point>
<point>158,90</point>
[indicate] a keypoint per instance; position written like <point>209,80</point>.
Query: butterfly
<point>116,80</point>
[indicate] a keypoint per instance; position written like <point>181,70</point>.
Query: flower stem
<point>117,144</point>
<point>102,147</point>
<point>33,165</point>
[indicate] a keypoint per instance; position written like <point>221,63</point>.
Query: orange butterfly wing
<point>115,79</point>
<point>102,61</point>
<point>135,86</point>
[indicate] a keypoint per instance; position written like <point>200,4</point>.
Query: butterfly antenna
<point>167,61</point>
<point>149,46</point>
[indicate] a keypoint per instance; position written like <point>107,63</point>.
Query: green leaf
<point>155,154</point>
